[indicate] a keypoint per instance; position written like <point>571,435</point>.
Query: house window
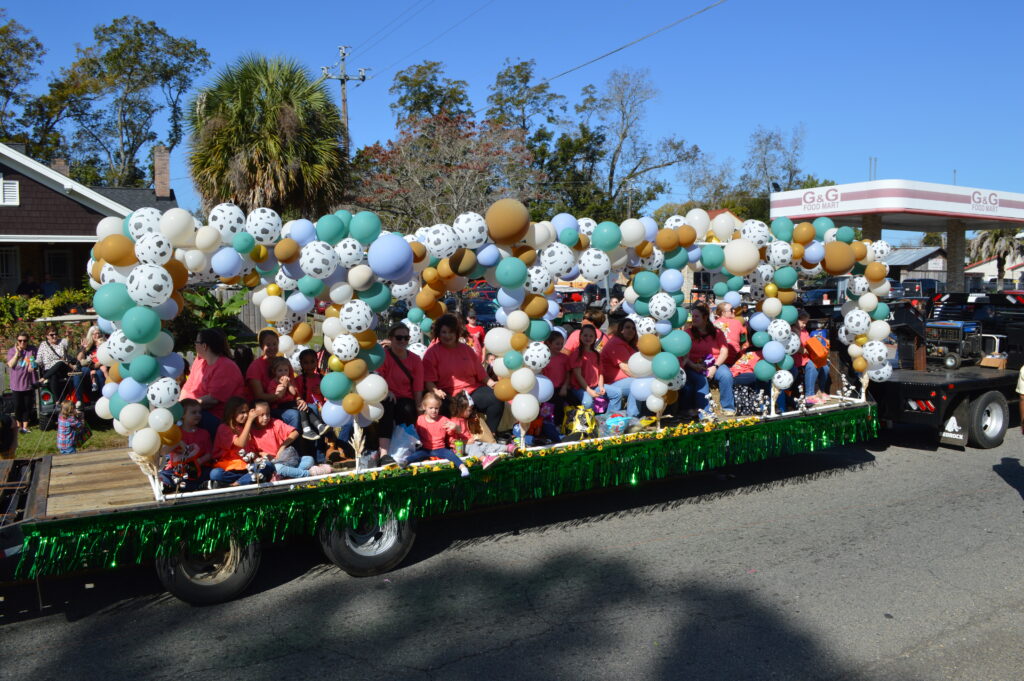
<point>9,195</point>
<point>58,266</point>
<point>10,269</point>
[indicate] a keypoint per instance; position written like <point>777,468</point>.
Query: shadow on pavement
<point>1010,470</point>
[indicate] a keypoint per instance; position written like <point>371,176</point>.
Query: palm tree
<point>267,134</point>
<point>1001,244</point>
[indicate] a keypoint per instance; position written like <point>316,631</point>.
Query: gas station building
<point>908,206</point>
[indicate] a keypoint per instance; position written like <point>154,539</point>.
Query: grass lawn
<point>42,442</point>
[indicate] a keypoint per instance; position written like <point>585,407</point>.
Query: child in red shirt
<point>479,443</point>
<point>188,462</point>
<point>585,368</point>
<point>435,432</point>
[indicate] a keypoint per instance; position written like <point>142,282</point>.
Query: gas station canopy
<point>902,205</point>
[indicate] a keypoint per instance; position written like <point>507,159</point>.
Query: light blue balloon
<point>131,390</point>
<point>759,321</point>
<point>814,252</point>
<point>572,274</point>
<point>110,389</point>
<point>299,303</point>
<point>554,309</point>
<point>511,297</point>
<point>663,327</point>
<point>627,307</point>
<point>333,414</point>
<point>671,280</point>
<point>500,316</point>
<point>166,310</point>
<point>693,253</point>
<point>107,326</point>
<point>226,262</point>
<point>564,221</point>
<point>773,351</point>
<point>488,255</point>
<point>171,365</point>
<point>293,270</point>
<point>389,256</point>
<point>733,298</point>
<point>650,227</point>
<point>303,231</point>
<point>640,389</point>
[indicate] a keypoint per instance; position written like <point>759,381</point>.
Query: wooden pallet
<point>95,481</point>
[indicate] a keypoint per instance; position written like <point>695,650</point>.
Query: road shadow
<point>1010,470</point>
<point>909,435</point>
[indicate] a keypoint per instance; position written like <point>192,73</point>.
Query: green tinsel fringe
<point>112,539</point>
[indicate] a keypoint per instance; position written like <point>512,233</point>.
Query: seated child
<point>479,441</point>
<point>69,426</point>
<point>557,371</point>
<point>236,463</point>
<point>274,439</point>
<point>434,432</point>
<point>189,461</point>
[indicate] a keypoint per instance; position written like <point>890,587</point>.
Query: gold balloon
<point>583,244</point>
<point>419,251</point>
<point>649,344</point>
<point>352,403</point>
<point>463,261</point>
<point>367,339</point>
<point>520,341</point>
<point>355,369</point>
<point>875,272</point>
<point>332,311</point>
<point>434,310</point>
<point>114,373</point>
<point>230,281</point>
<point>444,270</point>
<point>787,296</point>
<point>259,253</point>
<point>860,250</point>
<point>838,258</point>
<point>535,306</point>
<point>178,272</point>
<point>645,249</point>
<point>117,249</point>
<point>771,290</point>
<point>667,239</point>
<point>803,233</point>
<point>687,235</point>
<point>251,280</point>
<point>526,254</point>
<point>171,436</point>
<point>671,396</point>
<point>97,268</point>
<point>798,252</point>
<point>287,250</point>
<point>273,290</point>
<point>426,298</point>
<point>508,221</point>
<point>861,339</point>
<point>860,365</point>
<point>335,364</point>
<point>302,333</point>
<point>504,391</point>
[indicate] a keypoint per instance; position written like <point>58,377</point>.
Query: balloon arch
<point>140,265</point>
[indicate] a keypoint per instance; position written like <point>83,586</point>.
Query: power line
<point>389,33</point>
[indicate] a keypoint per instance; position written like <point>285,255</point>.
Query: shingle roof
<point>908,257</point>
<point>136,198</point>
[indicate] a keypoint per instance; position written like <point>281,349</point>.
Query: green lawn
<point>42,442</point>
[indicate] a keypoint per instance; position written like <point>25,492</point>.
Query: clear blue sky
<point>927,87</point>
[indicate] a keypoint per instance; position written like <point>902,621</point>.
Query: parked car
<point>923,288</point>
<point>819,296</point>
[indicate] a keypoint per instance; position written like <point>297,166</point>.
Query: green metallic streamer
<point>112,539</point>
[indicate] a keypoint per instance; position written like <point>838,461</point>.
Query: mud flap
<point>955,429</point>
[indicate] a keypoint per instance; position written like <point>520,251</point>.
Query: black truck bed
<point>962,378</point>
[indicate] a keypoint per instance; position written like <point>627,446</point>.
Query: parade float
<point>79,512</point>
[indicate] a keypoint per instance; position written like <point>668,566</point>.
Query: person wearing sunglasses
<point>21,359</point>
<point>54,363</point>
<point>403,371</point>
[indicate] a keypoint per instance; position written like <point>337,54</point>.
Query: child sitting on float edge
<point>435,431</point>
<point>188,464</point>
<point>479,440</point>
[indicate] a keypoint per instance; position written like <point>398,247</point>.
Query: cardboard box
<point>994,362</point>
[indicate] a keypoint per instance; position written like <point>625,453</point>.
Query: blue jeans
<point>815,379</point>
<point>424,454</point>
<point>300,471</point>
<point>583,397</point>
<point>191,485</point>
<point>698,388</point>
<point>241,477</point>
<point>616,391</point>
<point>289,415</point>
<point>85,380</point>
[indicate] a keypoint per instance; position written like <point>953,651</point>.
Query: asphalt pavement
<point>892,560</point>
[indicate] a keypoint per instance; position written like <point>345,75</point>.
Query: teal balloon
<point>712,256</point>
<point>126,230</point>
<point>378,297</point>
<point>365,227</point>
<point>606,237</point>
<point>679,297</point>
<point>720,288</point>
<point>177,411</point>
<point>790,314</point>
<point>335,385</point>
<point>267,274</point>
<point>845,234</point>
<point>782,229</point>
<point>513,359</point>
<point>646,284</point>
<point>569,237</point>
<point>243,242</point>
<point>822,225</point>
<point>677,342</point>
<point>311,286</point>
<point>111,301</point>
<point>346,218</point>
<point>373,357</point>
<point>681,317</point>
<point>426,324</point>
<point>331,228</point>
<point>785,277</point>
<point>760,338</point>
<point>539,330</point>
<point>665,365</point>
<point>881,312</point>
<point>141,324</point>
<point>511,273</point>
<point>117,403</point>
<point>764,371</point>
<point>478,272</point>
<point>642,308</point>
<point>787,363</point>
<point>415,315</point>
<point>144,368</point>
<point>434,261</point>
<point>735,283</point>
<point>677,259</point>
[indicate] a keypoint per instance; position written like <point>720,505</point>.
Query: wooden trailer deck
<point>92,482</point>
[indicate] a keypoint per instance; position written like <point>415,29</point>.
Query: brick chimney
<point>60,165</point>
<point>161,172</point>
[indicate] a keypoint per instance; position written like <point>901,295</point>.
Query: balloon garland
<point>140,265</point>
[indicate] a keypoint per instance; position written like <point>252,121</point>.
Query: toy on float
<point>141,264</point>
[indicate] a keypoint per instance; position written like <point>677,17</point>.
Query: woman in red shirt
<point>615,367</point>
<point>706,361</point>
<point>213,378</point>
<point>450,366</point>
<point>403,371</point>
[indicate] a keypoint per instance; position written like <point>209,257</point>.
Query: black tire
<point>369,549</point>
<point>952,361</point>
<point>988,419</point>
<point>204,579</point>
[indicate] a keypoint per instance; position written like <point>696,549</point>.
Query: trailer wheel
<point>207,578</point>
<point>989,416</point>
<point>371,548</point>
<point>952,361</point>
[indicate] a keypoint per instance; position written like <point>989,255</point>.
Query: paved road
<point>877,562</point>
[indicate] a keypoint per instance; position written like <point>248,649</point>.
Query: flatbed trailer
<point>75,512</point>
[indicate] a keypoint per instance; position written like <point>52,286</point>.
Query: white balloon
<point>373,388</point>
<point>772,307</point>
<point>867,302</point>
<point>162,345</point>
<point>782,379</point>
<point>629,295</point>
<point>659,387</point>
<point>780,330</point>
<point>258,296</point>
<point>633,232</point>
<point>161,419</point>
<point>103,408</point>
<point>108,226</point>
<point>882,289</point>
<point>372,411</point>
<point>285,344</point>
<point>332,326</point>
<point>876,354</point>
<point>134,416</point>
<point>536,356</point>
<point>523,380</point>
<point>723,226</point>
<point>498,341</point>
<point>855,350</point>
<point>525,408</point>
<point>518,321</point>
<point>208,239</point>
<point>146,442</point>
<point>655,403</point>
<point>881,374</point>
<point>878,330</point>
<point>178,226</point>
<point>857,322</point>
<point>639,366</point>
<point>499,368</point>
<point>341,293</point>
<point>120,429</point>
<point>274,309</point>
<point>699,219</point>
<point>345,346</point>
<point>196,261</point>
<point>103,356</point>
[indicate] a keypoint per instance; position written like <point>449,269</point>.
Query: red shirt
<point>589,364</point>
<point>800,358</point>
<point>271,438</point>
<point>573,341</point>
<point>557,369</point>
<point>398,382</point>
<point>706,345</point>
<point>433,435</point>
<point>453,369</point>
<point>616,351</point>
<point>200,438</point>
<point>222,379</point>
<point>259,370</point>
<point>309,388</point>
<point>732,329</point>
<point>225,452</point>
<point>476,334</point>
<point>746,362</point>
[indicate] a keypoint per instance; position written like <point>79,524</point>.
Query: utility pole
<point>343,77</point>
